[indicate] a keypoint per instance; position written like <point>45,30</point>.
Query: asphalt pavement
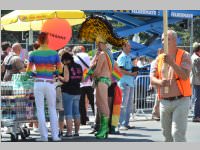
<point>146,130</point>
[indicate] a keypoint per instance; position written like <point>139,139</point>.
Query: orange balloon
<point>59,33</point>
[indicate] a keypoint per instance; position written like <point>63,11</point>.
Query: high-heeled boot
<point>103,131</point>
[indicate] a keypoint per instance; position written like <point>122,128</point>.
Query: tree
<point>197,30</point>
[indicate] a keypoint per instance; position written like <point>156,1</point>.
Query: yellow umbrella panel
<point>25,20</point>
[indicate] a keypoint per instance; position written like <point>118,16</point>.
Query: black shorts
<point>111,90</point>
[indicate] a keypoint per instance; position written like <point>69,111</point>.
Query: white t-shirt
<point>85,57</point>
<point>140,64</point>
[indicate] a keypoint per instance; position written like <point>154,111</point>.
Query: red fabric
<point>117,96</point>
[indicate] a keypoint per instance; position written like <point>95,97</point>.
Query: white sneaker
<point>42,140</point>
<point>35,130</point>
<point>123,128</point>
<point>56,139</point>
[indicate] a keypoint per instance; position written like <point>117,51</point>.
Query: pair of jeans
<point>196,89</point>
<point>42,90</point>
<point>173,117</point>
<point>71,106</point>
<point>127,104</point>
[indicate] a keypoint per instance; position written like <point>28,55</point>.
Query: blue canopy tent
<point>149,21</point>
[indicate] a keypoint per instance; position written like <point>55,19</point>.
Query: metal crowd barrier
<point>144,98</point>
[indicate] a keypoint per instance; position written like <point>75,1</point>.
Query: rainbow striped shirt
<point>47,63</point>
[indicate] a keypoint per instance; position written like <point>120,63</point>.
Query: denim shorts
<point>71,106</point>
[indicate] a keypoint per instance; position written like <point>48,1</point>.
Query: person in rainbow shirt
<point>45,61</point>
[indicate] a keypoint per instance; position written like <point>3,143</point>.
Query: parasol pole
<point>165,27</point>
<point>30,37</point>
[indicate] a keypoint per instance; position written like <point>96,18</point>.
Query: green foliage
<point>91,52</point>
<point>197,30</point>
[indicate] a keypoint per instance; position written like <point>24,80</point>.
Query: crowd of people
<point>66,68</point>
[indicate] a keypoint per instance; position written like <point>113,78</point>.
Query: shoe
<point>42,140</point>
<point>197,119</point>
<point>60,134</point>
<point>87,118</point>
<point>104,129</point>
<point>93,131</point>
<point>155,117</point>
<point>123,128</point>
<point>65,127</point>
<point>130,127</point>
<point>76,135</point>
<point>114,130</point>
<point>56,139</point>
<point>35,130</point>
<point>66,136</point>
<point>83,123</point>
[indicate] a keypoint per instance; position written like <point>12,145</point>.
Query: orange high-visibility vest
<point>183,85</point>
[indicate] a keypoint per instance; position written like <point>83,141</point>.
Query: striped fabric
<point>47,63</point>
<point>116,106</point>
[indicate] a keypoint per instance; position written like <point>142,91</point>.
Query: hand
<point>98,52</point>
<point>168,60</point>
<point>60,78</point>
<point>134,73</point>
<point>164,82</point>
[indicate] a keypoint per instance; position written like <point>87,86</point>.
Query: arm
<point>66,75</point>
<point>94,59</point>
<point>30,65</point>
<point>3,68</point>
<point>101,60</point>
<point>128,73</point>
<point>58,65</point>
<point>157,82</point>
<point>153,76</point>
<point>121,62</point>
<point>182,71</point>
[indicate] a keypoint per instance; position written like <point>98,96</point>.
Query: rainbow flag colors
<point>87,74</point>
<point>116,74</point>
<point>110,59</point>
<point>116,106</point>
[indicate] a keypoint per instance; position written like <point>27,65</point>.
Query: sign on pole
<point>165,27</point>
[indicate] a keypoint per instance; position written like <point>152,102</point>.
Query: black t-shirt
<point>72,87</point>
